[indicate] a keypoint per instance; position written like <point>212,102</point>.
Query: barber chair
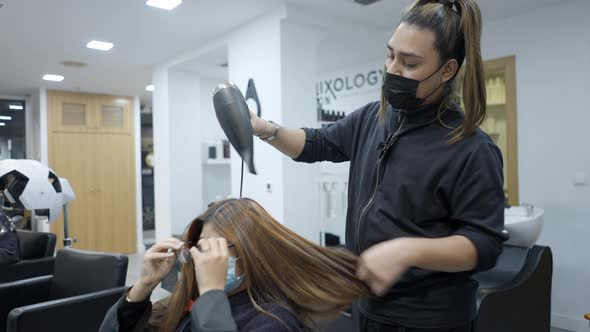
<point>515,295</point>
<point>36,254</point>
<point>84,285</point>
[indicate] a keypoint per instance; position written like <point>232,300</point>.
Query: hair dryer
<point>234,117</point>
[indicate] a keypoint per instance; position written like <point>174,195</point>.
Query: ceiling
<point>37,35</point>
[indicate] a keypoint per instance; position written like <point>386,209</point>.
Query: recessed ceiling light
<point>51,77</point>
<point>2,124</point>
<point>164,4</point>
<point>7,118</point>
<point>73,64</point>
<point>150,87</point>
<point>15,107</point>
<point>99,45</point>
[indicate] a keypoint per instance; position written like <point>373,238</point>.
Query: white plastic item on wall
<point>333,204</point>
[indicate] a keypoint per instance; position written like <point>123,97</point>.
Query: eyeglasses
<point>184,255</point>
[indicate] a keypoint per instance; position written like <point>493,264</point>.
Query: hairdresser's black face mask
<point>400,92</point>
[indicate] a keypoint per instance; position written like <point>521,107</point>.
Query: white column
<point>39,123</point>
<point>254,51</point>
<point>280,56</point>
<point>186,164</point>
<point>138,188</point>
<point>177,151</point>
<point>40,140</point>
<point>162,141</point>
<point>299,72</point>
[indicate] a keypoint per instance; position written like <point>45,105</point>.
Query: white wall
<point>39,115</point>
<point>299,66</point>
<point>37,119</point>
<point>216,178</point>
<point>350,45</point>
<point>553,79</point>
<point>185,149</point>
<point>177,150</point>
<point>254,51</point>
<point>162,154</point>
<point>39,124</point>
<point>337,89</point>
<point>210,128</point>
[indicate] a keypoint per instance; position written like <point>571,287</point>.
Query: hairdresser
<point>425,197</point>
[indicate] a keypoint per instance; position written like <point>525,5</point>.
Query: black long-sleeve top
<point>406,180</point>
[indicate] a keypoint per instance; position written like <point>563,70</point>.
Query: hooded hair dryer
<point>234,117</point>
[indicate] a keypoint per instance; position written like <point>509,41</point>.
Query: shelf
<point>218,162</point>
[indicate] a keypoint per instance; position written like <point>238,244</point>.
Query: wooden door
<point>115,185</point>
<point>114,114</point>
<point>70,112</point>
<point>97,157</point>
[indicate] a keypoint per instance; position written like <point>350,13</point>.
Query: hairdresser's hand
<point>157,263</point>
<point>210,264</point>
<point>259,125</point>
<point>383,264</point>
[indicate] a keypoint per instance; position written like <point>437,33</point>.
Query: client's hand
<point>157,263</point>
<point>210,264</point>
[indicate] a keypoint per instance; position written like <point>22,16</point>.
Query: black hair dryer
<point>234,117</point>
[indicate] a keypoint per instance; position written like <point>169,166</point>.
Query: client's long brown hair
<point>280,266</point>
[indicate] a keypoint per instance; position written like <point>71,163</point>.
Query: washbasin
<point>523,224</point>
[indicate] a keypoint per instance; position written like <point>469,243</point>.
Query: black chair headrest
<point>35,244</point>
<point>79,272</point>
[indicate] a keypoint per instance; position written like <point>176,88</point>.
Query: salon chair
<point>515,295</point>
<point>36,253</point>
<point>84,285</point>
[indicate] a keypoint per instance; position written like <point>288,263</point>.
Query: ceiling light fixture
<point>150,88</point>
<point>100,45</point>
<point>7,118</point>
<point>15,107</point>
<point>2,124</point>
<point>73,64</point>
<point>164,4</point>
<point>365,2</point>
<point>54,78</point>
